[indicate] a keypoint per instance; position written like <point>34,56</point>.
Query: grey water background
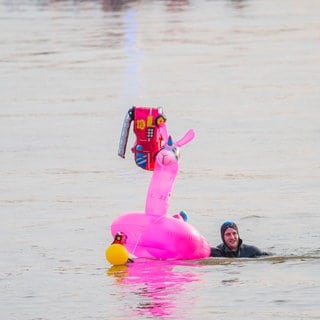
<point>243,74</point>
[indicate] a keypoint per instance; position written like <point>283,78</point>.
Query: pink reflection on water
<point>157,284</point>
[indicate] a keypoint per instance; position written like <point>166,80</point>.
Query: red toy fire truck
<point>148,138</point>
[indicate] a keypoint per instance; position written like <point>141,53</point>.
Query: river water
<point>244,75</point>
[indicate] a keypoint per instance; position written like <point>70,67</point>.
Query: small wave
<point>272,259</point>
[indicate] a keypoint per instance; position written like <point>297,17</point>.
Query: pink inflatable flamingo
<point>153,234</point>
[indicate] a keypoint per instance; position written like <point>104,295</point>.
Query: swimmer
<point>232,246</point>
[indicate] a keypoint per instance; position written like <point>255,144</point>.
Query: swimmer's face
<point>231,239</point>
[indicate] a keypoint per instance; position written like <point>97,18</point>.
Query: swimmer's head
<point>226,225</point>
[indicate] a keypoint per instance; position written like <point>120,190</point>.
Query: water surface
<point>243,74</point>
